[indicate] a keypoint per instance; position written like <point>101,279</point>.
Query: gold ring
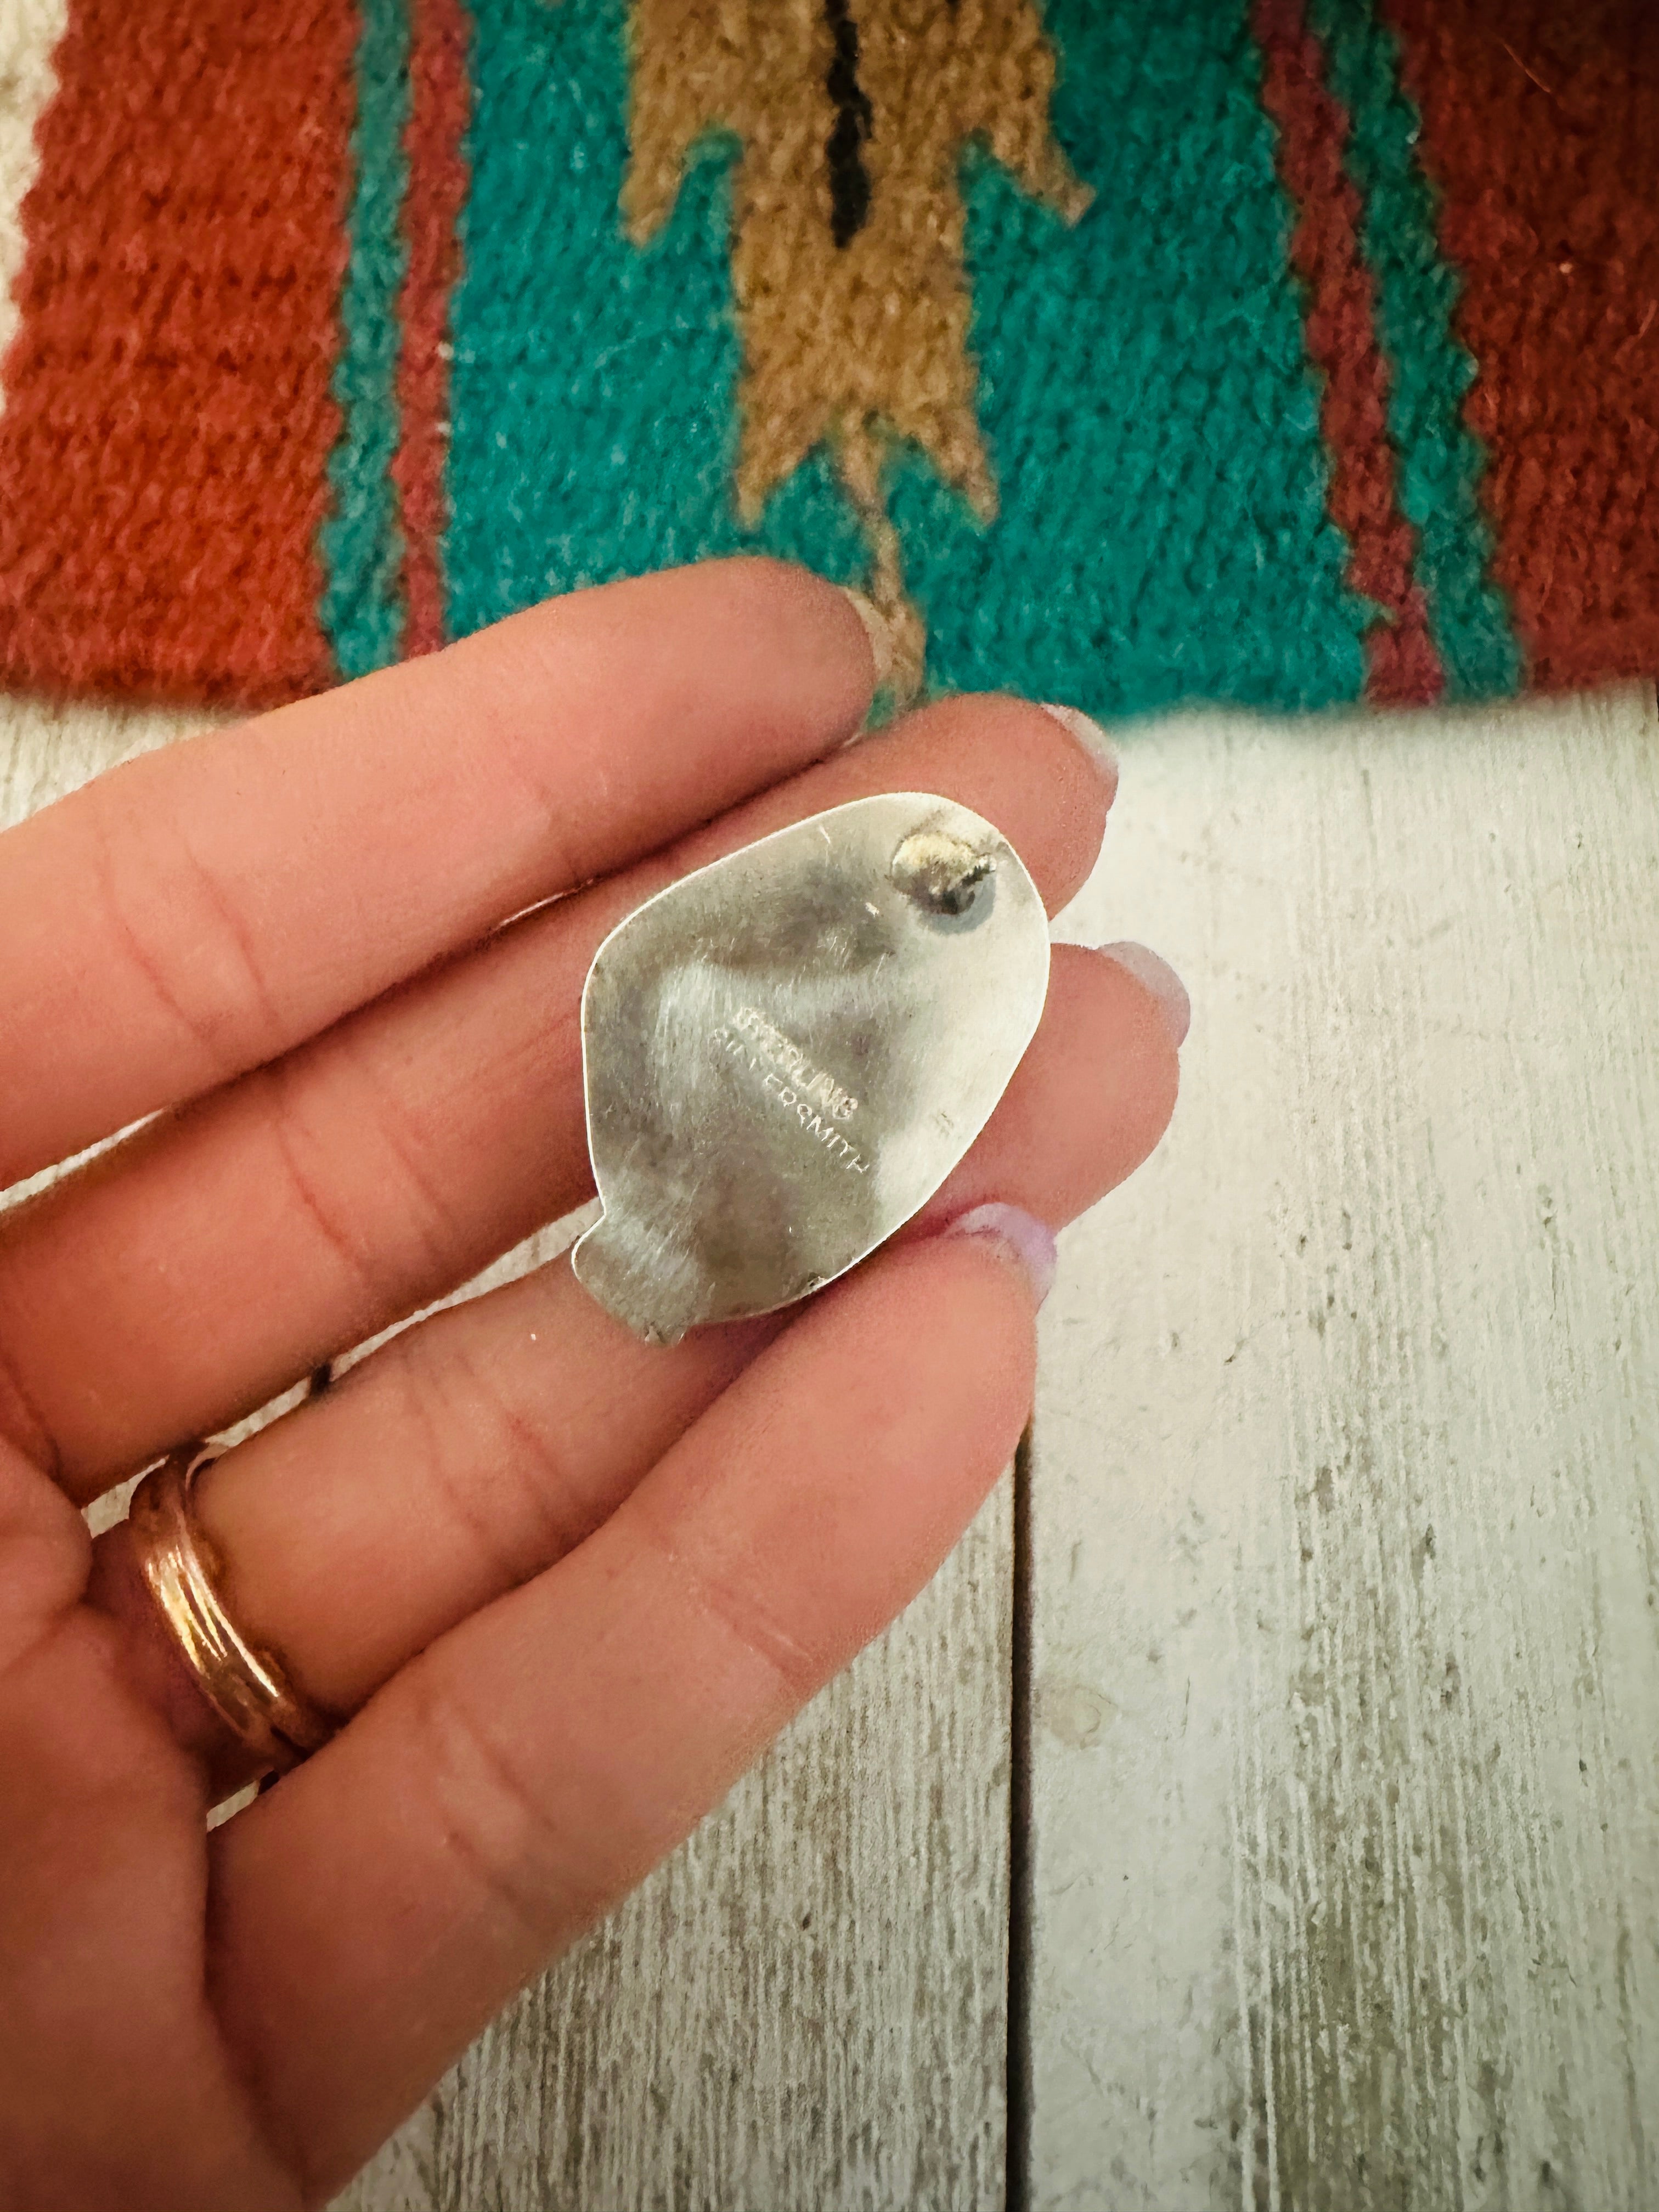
<point>248,1688</point>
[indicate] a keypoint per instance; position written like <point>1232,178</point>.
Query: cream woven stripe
<point>29,32</point>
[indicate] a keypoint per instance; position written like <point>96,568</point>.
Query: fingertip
<point>834,635</point>
<point>1093,740</point>
<point>760,667</point>
<point>1155,977</point>
<point>1151,1010</point>
<point>1023,768</point>
<point>1017,1236</point>
<point>967,1378</point>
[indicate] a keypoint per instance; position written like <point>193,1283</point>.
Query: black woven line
<point>849,180</point>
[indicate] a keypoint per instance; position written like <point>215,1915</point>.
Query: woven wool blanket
<point>1283,352</point>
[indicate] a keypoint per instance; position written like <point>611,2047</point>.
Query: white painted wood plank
<point>805,2008</point>
<point>1347,1492</point>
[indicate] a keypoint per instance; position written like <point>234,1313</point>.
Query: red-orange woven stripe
<point>1541,123</point>
<point>1342,339</point>
<point>437,191</point>
<point>167,416</point>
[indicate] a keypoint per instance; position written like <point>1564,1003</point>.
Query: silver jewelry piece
<point>788,1052</point>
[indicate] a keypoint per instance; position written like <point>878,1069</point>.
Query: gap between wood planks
<point>1021,2087</point>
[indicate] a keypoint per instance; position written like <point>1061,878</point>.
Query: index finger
<point>209,906</point>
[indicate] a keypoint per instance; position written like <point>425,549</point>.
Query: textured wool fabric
<point>167,420</point>
<point>1281,352</point>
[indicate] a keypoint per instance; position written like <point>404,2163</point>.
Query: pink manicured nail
<point>1022,1239</point>
<point>1160,979</point>
<point>1089,735</point>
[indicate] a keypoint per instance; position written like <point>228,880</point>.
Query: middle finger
<point>194,1273</point>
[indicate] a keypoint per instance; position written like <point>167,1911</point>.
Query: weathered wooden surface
<point>805,2008</point>
<point>1345,1863</point>
<point>1346,1496</point>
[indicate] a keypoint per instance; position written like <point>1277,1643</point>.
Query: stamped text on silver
<point>818,1101</point>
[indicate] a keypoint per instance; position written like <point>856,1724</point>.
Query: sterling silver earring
<point>788,1052</point>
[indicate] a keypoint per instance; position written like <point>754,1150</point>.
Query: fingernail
<point>1022,1237</point>
<point>875,629</point>
<point>1161,979</point>
<point>1089,735</point>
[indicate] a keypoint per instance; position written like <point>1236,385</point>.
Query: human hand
<point>561,1588</point>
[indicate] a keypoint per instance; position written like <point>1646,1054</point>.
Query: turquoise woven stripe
<point>593,431</point>
<point>361,609</point>
<point>1163,532</point>
<point>1441,459</point>
<point>1144,386</point>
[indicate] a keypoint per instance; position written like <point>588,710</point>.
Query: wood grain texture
<point>1346,1505</point>
<point>1346,1554</point>
<point>806,2006</point>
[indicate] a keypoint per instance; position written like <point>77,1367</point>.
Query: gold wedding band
<point>248,1687</point>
